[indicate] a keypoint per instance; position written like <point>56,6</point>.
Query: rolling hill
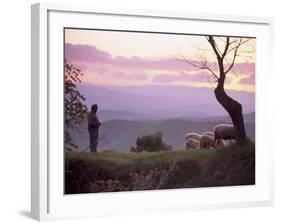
<point>107,115</point>
<point>120,135</point>
<point>162,102</point>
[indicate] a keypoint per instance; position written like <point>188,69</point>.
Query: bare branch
<point>217,47</point>
<point>231,46</point>
<point>234,56</point>
<point>226,47</point>
<point>213,73</point>
<point>203,65</point>
<point>238,45</point>
<point>214,46</point>
<point>232,71</point>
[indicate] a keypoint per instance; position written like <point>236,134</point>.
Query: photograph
<point>157,110</point>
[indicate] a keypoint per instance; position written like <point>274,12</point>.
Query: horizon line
<point>160,85</point>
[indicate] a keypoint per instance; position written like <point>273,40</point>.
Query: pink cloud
<point>81,66</point>
<point>90,54</point>
<point>183,76</point>
<point>244,68</point>
<point>109,72</point>
<point>127,76</point>
<point>83,54</point>
<point>152,64</point>
<point>248,80</point>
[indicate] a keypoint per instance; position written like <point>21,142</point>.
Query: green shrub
<point>151,143</point>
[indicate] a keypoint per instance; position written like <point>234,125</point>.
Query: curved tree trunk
<point>234,110</point>
<point>233,107</point>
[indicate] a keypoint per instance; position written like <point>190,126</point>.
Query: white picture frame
<point>47,198</point>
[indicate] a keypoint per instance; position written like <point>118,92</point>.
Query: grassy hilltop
<point>114,171</point>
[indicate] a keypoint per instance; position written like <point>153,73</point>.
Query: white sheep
<point>207,141</point>
<point>192,143</point>
<point>192,135</point>
<point>210,133</point>
<point>224,132</point>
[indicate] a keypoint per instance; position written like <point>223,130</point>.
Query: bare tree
<point>226,56</point>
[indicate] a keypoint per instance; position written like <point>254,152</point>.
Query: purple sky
<point>130,61</point>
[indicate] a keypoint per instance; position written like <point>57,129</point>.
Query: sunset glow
<point>136,59</point>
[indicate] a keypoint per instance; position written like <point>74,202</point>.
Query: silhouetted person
<point>93,127</point>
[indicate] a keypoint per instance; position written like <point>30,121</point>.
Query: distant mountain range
<point>248,118</point>
<point>129,112</point>
<point>161,102</point>
<point>120,135</point>
<point>107,115</point>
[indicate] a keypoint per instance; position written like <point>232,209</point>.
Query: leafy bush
<point>151,143</point>
<point>75,109</point>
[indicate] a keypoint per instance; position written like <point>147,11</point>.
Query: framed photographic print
<point>146,111</point>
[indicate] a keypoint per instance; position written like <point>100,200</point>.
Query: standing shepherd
<point>93,127</point>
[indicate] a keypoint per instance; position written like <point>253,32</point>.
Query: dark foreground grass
<point>113,171</point>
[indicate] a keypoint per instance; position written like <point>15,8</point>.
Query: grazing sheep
<point>192,135</point>
<point>224,132</point>
<point>207,142</point>
<point>209,133</point>
<point>192,143</point>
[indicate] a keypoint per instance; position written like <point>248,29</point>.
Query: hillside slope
<point>121,135</point>
<point>109,171</point>
<point>163,101</point>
